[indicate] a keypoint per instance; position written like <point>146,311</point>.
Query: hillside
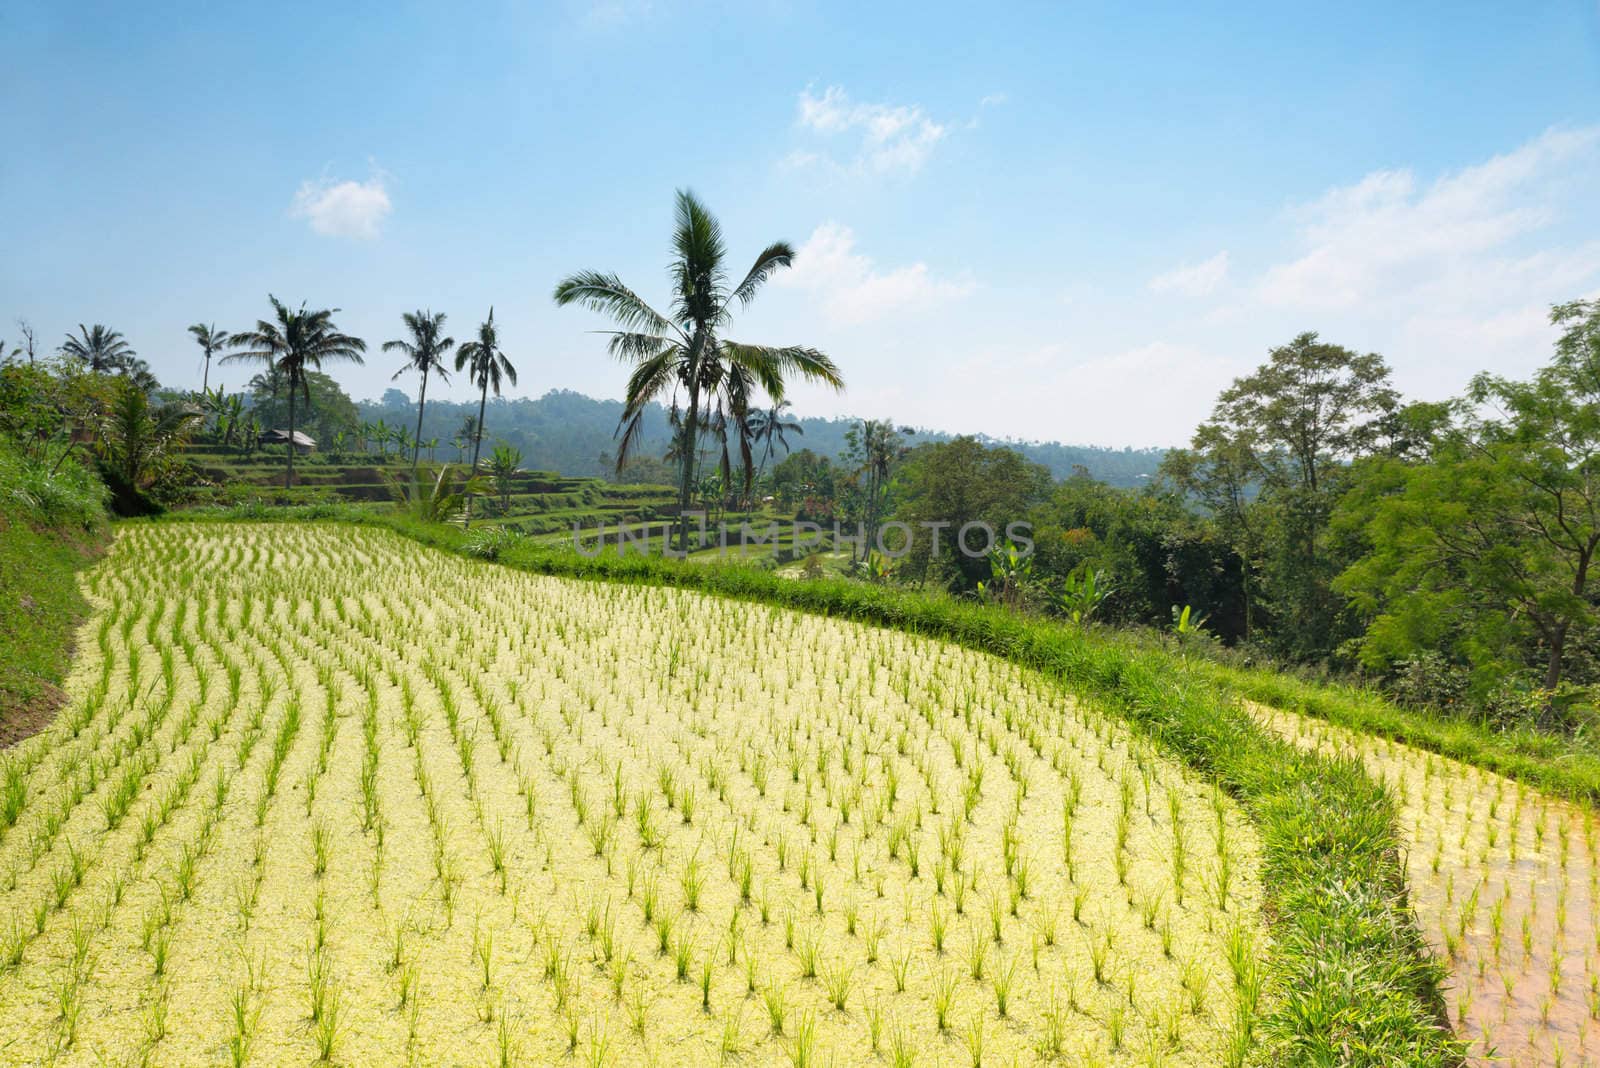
<point>575,434</point>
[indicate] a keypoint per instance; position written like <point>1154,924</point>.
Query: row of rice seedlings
<point>772,823</point>
<point>1504,881</point>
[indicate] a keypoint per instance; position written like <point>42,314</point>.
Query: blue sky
<point>1072,222</point>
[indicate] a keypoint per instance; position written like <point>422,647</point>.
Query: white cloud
<point>851,288</point>
<point>343,209</point>
<point>890,138</point>
<point>1193,280</point>
<point>1453,276</point>
<point>1387,234</point>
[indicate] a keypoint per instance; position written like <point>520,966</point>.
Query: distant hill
<point>575,434</point>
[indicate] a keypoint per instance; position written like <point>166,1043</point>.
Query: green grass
<point>1349,977</point>
<point>51,522</point>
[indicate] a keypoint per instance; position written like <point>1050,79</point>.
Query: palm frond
<point>775,256</point>
<point>606,294</point>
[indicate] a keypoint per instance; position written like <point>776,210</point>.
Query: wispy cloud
<point>886,138</point>
<point>1457,274</point>
<point>343,209</point>
<point>850,286</point>
<point>1388,233</point>
<point>1194,279</point>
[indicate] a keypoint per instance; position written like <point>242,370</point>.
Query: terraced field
<point>323,795</point>
<point>1506,885</point>
<point>540,502</point>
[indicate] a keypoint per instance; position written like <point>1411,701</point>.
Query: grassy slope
<point>40,607</point>
<point>1352,981</point>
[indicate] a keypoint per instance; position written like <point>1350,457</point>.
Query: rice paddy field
<point>1506,886</point>
<point>322,795</point>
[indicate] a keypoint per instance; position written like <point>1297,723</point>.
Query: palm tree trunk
<point>288,479</point>
<point>477,443</point>
<point>416,445</point>
<point>205,377</point>
<point>687,458</point>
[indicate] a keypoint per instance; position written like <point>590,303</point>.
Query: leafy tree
<point>1291,428</point>
<point>954,483</point>
<point>211,341</point>
<point>329,410</point>
<point>1487,548</point>
<point>807,481</point>
<point>1220,470</point>
<point>295,343</point>
<point>486,366</point>
<point>424,352</point>
<point>686,350</point>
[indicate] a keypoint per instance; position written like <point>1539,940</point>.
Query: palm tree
<point>488,365</point>
<point>877,445</point>
<point>425,352</point>
<point>230,415</point>
<point>101,349</point>
<point>267,383</point>
<point>769,424</point>
<point>136,440</point>
<point>504,462</point>
<point>212,341</point>
<point>293,343</point>
<point>686,350</point>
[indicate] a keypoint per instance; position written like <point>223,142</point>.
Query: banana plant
<point>1010,571</point>
<point>1083,593</point>
<point>1188,623</point>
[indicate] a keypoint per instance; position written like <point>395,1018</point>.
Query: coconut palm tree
<point>424,352</point>
<point>768,424</point>
<point>875,444</point>
<point>100,349</point>
<point>487,365</point>
<point>211,341</point>
<point>293,343</point>
<point>685,349</point>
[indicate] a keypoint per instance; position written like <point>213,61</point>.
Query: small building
<point>303,443</point>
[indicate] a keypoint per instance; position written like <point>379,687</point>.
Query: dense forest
<point>1445,549</point>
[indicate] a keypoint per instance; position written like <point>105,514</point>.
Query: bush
<point>62,493</point>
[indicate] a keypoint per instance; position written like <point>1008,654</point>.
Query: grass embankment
<point>51,527</point>
<point>1350,977</point>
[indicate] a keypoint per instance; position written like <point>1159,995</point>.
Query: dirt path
<point>1504,883</point>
